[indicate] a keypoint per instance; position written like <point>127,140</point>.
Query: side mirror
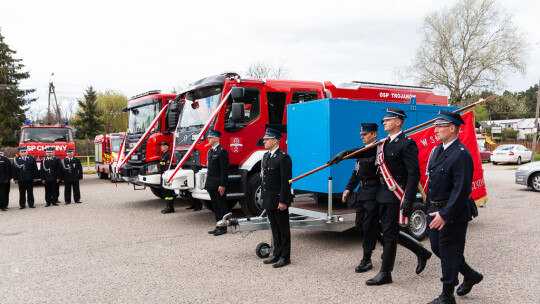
<point>124,110</point>
<point>238,111</point>
<point>237,93</point>
<point>107,150</point>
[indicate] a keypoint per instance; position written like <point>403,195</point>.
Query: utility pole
<point>536,126</point>
<point>49,119</point>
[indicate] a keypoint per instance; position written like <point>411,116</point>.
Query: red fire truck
<point>38,138</point>
<point>263,105</point>
<point>107,148</point>
<point>141,168</point>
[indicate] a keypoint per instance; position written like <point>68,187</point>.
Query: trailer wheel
<point>417,227</point>
<point>156,192</point>
<point>252,204</point>
<point>262,250</point>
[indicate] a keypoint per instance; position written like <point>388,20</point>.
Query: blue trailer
<point>318,130</point>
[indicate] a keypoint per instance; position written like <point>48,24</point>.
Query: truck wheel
<point>112,175</point>
<point>535,182</point>
<point>262,250</point>
<point>417,227</point>
<point>157,192</point>
<point>252,204</point>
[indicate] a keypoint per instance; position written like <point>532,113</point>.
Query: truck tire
<point>252,204</point>
<point>156,192</point>
<point>417,227</point>
<point>112,175</point>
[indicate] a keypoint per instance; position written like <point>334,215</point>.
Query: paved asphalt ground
<point>116,247</point>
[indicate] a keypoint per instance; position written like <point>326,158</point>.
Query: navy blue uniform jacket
<point>25,170</point>
<point>450,178</point>
<point>276,173</point>
<point>218,168</point>
<point>71,170</point>
<point>365,170</point>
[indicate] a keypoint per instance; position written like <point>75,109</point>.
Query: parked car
<point>529,175</point>
<point>511,154</point>
<point>485,154</point>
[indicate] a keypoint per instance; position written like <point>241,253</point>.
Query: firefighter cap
<point>23,149</point>
<point>69,151</point>
<point>392,113</point>
<point>214,133</point>
<point>446,117</point>
<point>271,133</point>
<point>368,127</point>
<point>165,143</point>
<point>49,149</point>
<point>1,150</point>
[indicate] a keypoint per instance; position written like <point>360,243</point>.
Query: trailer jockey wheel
<point>263,250</point>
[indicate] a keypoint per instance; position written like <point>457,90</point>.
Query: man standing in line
<point>399,173</point>
<point>50,177</point>
<point>25,174</point>
<point>217,179</point>
<point>5,178</point>
<point>276,171</point>
<point>164,162</point>
<point>59,169</point>
<point>72,173</point>
<point>367,208</point>
<point>450,207</point>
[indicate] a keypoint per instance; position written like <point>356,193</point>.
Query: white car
<point>511,154</point>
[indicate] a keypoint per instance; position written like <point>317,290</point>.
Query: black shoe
<point>272,260</point>
<point>213,231</point>
<point>415,246</point>
<point>4,209</point>
<point>55,204</point>
<point>282,262</point>
<point>167,210</point>
<point>364,266</point>
<point>67,203</point>
<point>220,231</point>
<point>469,282</point>
<point>197,207</point>
<point>20,208</point>
<point>444,299</point>
<point>48,205</point>
<point>78,202</point>
<point>380,279</point>
<point>423,257</point>
<point>32,206</point>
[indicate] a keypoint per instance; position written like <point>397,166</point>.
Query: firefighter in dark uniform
<point>276,171</point>
<point>71,174</point>
<point>367,208</point>
<point>164,162</point>
<point>450,207</point>
<point>25,173</point>
<point>59,168</point>
<point>6,172</point>
<point>401,159</point>
<point>50,177</point>
<point>217,179</point>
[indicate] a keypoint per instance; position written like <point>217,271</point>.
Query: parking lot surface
<point>116,247</point>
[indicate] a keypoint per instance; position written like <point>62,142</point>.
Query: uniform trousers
<point>389,213</point>
<point>50,192</point>
<point>76,191</point>
<point>448,244</point>
<point>26,187</point>
<point>4,194</point>
<point>281,232</point>
<point>367,220</point>
<point>220,204</point>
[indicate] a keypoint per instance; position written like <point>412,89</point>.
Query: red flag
<point>426,141</point>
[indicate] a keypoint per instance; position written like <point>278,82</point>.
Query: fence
<point>528,145</point>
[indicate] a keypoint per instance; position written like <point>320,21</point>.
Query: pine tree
<point>13,103</point>
<point>88,121</point>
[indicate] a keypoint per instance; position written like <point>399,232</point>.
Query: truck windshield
<point>140,118</point>
<point>199,106</point>
<point>46,135</point>
<point>115,144</point>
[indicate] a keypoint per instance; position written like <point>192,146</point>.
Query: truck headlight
<point>152,169</point>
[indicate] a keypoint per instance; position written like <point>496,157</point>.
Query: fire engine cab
<point>261,103</point>
<point>107,148</point>
<point>38,138</point>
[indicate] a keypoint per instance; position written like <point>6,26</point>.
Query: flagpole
<point>481,101</point>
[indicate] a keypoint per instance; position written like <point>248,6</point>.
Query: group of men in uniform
<point>388,178</point>
<point>24,171</point>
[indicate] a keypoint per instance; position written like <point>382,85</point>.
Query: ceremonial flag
<point>426,141</point>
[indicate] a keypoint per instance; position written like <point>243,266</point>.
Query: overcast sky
<point>135,47</point>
